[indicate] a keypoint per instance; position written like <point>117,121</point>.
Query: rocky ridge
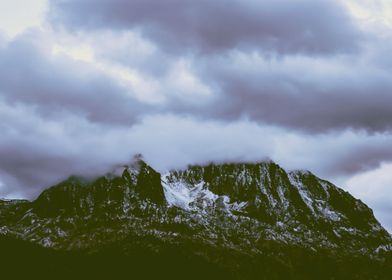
<point>252,209</point>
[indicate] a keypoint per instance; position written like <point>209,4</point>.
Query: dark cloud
<point>363,158</point>
<point>26,170</point>
<point>282,26</point>
<point>57,84</point>
<point>301,93</point>
<point>312,93</point>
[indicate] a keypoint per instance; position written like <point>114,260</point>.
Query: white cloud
<point>185,85</point>
<point>122,56</point>
<point>372,14</point>
<point>18,15</point>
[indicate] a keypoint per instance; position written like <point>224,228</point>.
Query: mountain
<point>231,221</point>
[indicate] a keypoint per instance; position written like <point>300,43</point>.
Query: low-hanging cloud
<point>36,152</point>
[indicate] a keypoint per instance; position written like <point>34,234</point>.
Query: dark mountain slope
<point>240,221</point>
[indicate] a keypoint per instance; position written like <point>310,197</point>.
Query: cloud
<point>375,187</point>
<point>364,156</point>
<point>311,94</point>
<point>55,83</point>
<point>18,15</point>
<point>267,60</point>
<point>208,27</point>
<point>36,152</point>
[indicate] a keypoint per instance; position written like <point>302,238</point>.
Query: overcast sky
<point>86,84</point>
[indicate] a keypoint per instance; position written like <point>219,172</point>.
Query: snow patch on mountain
<point>305,195</point>
<point>182,195</point>
<point>192,197</point>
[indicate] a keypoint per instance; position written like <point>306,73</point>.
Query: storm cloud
<point>314,95</point>
<point>303,64</point>
<point>204,26</point>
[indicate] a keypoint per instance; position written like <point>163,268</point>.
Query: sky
<point>85,85</point>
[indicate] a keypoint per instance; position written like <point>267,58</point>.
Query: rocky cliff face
<point>253,210</point>
<point>266,203</point>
